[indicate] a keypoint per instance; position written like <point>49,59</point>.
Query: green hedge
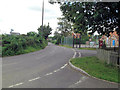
<point>14,45</point>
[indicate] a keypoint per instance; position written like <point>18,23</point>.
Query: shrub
<point>14,45</point>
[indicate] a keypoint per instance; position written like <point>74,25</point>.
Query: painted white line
<point>63,66</point>
<point>34,79</point>
<point>74,55</point>
<point>11,86</point>
<point>19,84</point>
<point>57,70</point>
<point>79,54</point>
<point>48,74</point>
<point>15,85</point>
<point>78,82</point>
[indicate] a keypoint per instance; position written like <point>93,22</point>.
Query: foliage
<point>57,37</point>
<point>31,34</point>
<point>45,31</point>
<point>64,26</point>
<point>92,16</point>
<point>17,44</point>
<point>97,68</point>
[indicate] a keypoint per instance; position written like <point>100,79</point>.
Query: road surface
<point>47,68</point>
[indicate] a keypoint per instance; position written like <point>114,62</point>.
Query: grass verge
<point>94,67</point>
<point>65,46</point>
<point>0,51</point>
<point>31,49</point>
<point>78,48</point>
<point>88,48</point>
<point>27,50</point>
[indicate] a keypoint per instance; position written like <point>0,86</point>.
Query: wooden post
<point>118,62</point>
<point>76,41</point>
<point>80,41</point>
<point>73,41</point>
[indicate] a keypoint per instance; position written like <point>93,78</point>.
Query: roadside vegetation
<point>20,44</point>
<point>67,46</point>
<point>88,48</point>
<point>97,68</point>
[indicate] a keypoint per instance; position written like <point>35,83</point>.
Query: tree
<point>64,26</point>
<point>31,34</point>
<point>46,31</point>
<point>74,12</point>
<point>102,17</point>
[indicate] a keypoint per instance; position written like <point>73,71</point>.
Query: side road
<point>85,53</point>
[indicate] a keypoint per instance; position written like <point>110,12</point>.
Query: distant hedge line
<point>16,44</point>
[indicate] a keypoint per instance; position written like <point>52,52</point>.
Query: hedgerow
<point>16,44</point>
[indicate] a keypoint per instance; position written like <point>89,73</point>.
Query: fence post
<point>73,41</point>
<point>79,41</point>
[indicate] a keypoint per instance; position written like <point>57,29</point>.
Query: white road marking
<point>15,85</point>
<point>48,74</point>
<point>79,54</point>
<point>63,66</point>
<point>39,77</point>
<point>57,70</point>
<point>34,79</point>
<point>74,55</point>
<point>78,82</point>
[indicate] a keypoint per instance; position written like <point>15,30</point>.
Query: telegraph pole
<point>42,13</point>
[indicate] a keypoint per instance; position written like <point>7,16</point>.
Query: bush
<point>14,45</point>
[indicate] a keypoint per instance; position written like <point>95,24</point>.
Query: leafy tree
<point>64,26</point>
<point>31,34</point>
<point>57,37</point>
<point>102,17</point>
<point>45,31</point>
<point>74,12</point>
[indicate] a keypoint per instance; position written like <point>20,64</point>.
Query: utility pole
<point>42,13</point>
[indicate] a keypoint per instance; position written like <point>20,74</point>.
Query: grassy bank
<point>65,46</point>
<point>78,48</point>
<point>87,48</point>
<point>31,49</point>
<point>0,50</point>
<point>97,68</point>
<point>15,45</point>
<point>26,50</point>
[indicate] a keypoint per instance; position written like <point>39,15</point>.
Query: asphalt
<point>47,68</point>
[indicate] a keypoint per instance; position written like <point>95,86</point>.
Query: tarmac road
<point>47,68</point>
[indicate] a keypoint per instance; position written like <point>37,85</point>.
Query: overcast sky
<point>26,15</point>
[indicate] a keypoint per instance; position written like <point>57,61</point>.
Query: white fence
<point>108,56</point>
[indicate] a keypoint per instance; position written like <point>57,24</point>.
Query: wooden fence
<point>108,56</point>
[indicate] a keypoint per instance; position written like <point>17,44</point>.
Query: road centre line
<point>78,82</point>
<point>63,66</point>
<point>34,79</point>
<point>48,74</point>
<point>15,85</point>
<point>57,70</point>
